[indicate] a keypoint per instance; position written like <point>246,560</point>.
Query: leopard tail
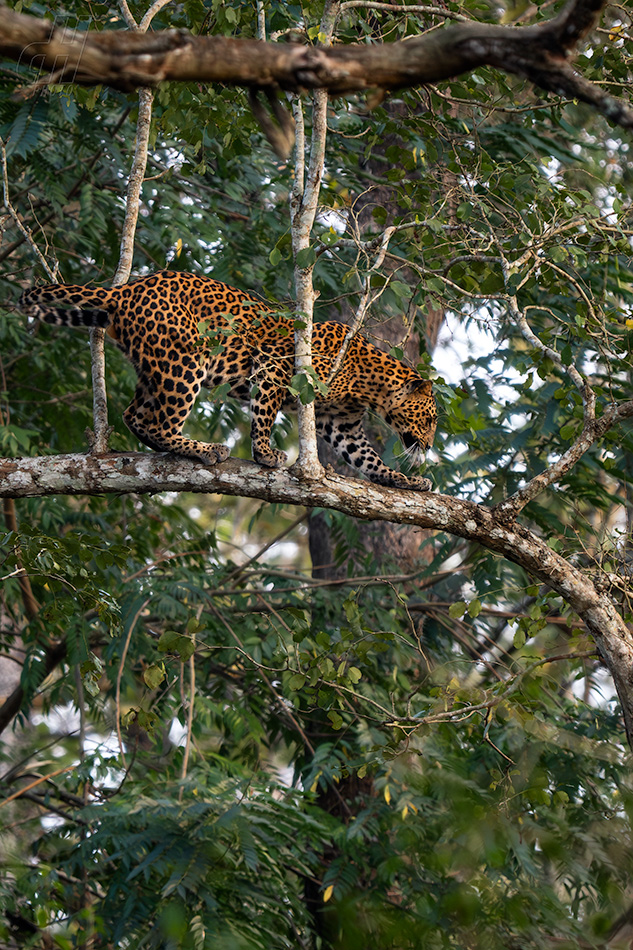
<point>80,306</point>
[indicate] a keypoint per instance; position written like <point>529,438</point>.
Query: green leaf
<point>335,718</point>
<point>306,257</point>
<point>168,640</point>
<point>185,648</point>
<point>154,675</point>
<point>474,608</point>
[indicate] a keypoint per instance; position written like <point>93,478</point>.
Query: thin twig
<point>403,9</point>
<point>282,534</point>
<point>119,676</point>
<point>25,231</point>
<point>192,694</point>
<point>38,781</point>
<point>367,300</point>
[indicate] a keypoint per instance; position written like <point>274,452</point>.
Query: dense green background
<point>341,791</point>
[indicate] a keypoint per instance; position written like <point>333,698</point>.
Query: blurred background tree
<point>240,726</point>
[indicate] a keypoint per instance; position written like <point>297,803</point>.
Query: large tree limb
<point>145,472</point>
<point>128,59</point>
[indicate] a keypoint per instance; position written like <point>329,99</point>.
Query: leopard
<point>184,331</point>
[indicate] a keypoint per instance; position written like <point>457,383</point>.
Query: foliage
<point>407,754</point>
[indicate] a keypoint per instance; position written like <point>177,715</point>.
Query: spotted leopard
<point>156,321</point>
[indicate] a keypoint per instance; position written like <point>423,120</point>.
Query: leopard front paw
<point>418,483</point>
<point>398,480</point>
<point>269,458</point>
<point>217,453</point>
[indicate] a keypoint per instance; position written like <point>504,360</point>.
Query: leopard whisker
<point>413,455</point>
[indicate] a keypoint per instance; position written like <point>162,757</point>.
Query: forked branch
<point>129,59</point>
<point>126,253</point>
<point>592,429</point>
<point>304,204</point>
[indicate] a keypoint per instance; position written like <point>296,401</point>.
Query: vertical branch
<point>127,15</point>
<point>100,434</point>
<point>155,8</point>
<point>134,185</point>
<point>192,696</point>
<point>126,253</point>
<point>304,203</point>
<point>261,21</point>
<point>302,222</point>
<point>300,144</point>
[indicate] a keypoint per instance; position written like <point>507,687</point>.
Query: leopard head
<point>413,414</point>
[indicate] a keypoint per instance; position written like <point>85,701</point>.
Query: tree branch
<point>304,204</point>
<point>129,59</point>
<point>53,656</point>
<point>101,434</point>
<point>592,430</point>
<point>154,472</point>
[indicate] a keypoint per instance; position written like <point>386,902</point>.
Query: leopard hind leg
<point>156,416</point>
<point>265,402</point>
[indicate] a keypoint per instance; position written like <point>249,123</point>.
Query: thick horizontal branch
<point>126,59</point>
<point>154,472</point>
<point>140,472</point>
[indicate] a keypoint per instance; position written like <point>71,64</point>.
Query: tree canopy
<point>287,709</point>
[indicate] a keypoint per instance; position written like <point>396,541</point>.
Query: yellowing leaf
<point>178,247</point>
<point>327,893</point>
<point>387,794</point>
<point>629,323</point>
<point>154,675</point>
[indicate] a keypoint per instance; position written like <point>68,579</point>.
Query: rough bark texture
<point>139,472</point>
<point>129,59</point>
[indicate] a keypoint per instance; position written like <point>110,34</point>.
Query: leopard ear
<point>415,387</point>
